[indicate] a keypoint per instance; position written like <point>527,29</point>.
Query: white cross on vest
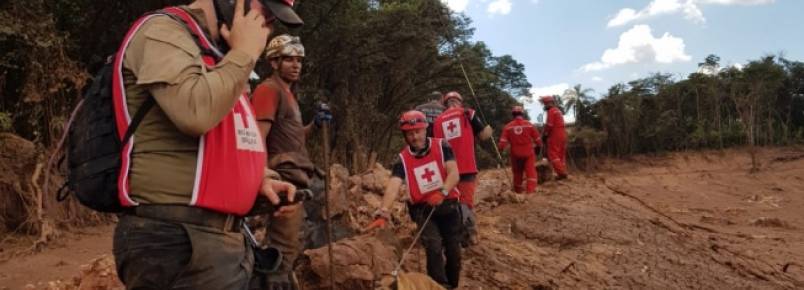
<point>427,177</point>
<point>452,128</point>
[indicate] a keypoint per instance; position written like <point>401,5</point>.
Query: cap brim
<point>284,13</point>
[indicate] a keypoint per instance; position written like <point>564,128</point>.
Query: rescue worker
<point>280,124</point>
<point>459,126</point>
<point>188,178</point>
<point>524,139</point>
<point>431,110</point>
<point>431,175</point>
<point>555,138</point>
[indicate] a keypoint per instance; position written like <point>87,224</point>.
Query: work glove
<point>378,223</point>
<point>323,114</point>
<point>435,199</point>
<point>381,217</point>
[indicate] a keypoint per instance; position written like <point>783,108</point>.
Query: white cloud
<point>597,79</point>
<point>690,9</point>
<point>502,7</point>
<point>556,89</point>
<point>535,108</point>
<point>736,2</point>
<point>638,45</point>
<point>456,5</point>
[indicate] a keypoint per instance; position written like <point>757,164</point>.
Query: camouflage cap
<point>284,45</point>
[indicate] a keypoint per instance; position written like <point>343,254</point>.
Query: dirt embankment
<point>685,220</point>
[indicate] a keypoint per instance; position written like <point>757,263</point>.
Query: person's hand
<point>435,199</point>
<point>249,31</point>
<point>271,188</point>
<point>323,114</point>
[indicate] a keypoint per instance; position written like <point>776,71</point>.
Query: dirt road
<point>60,261</point>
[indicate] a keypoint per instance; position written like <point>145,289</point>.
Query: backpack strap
<point>138,116</point>
<point>184,19</point>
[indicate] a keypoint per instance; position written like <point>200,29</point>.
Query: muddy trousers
<point>441,239</point>
<point>156,254</point>
<point>467,186</point>
<point>527,166</point>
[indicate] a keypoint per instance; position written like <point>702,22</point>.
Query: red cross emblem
<point>428,174</point>
<point>451,126</point>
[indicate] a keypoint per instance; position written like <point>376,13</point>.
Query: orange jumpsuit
<point>523,137</point>
<point>556,141</point>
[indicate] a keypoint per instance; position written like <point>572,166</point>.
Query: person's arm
<point>451,166</point>
<point>480,129</point>
<point>392,186</point>
<point>265,101</point>
<point>452,175</point>
<point>534,135</point>
<point>549,123</point>
<point>391,192</point>
<point>165,59</point>
<point>503,139</point>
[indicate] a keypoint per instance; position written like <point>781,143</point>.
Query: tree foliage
<point>760,104</point>
<point>370,59</point>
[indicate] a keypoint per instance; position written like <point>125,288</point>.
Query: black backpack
<point>93,148</point>
<point>93,144</point>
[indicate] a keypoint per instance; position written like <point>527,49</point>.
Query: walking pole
<point>395,273</point>
<point>480,109</point>
<point>325,141</point>
<point>451,41</point>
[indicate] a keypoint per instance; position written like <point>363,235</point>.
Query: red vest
<point>426,175</point>
<point>231,156</point>
<point>455,126</point>
<point>522,136</point>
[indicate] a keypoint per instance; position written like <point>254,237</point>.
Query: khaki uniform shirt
<point>165,62</point>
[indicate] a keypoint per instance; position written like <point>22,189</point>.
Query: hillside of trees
<point>759,104</point>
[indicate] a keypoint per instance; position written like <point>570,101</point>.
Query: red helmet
<point>517,110</point>
<point>412,120</point>
<point>546,99</point>
<point>449,96</point>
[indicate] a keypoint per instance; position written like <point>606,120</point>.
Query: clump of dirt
<point>100,273</point>
<point>360,262</point>
<point>771,222</point>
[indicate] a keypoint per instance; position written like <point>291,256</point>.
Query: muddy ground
<point>682,220</point>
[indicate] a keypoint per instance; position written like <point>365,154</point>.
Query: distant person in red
<point>459,126</point>
<point>524,138</point>
<point>555,137</point>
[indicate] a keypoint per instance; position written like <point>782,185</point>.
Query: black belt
<point>188,215</point>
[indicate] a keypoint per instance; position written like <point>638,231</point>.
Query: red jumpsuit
<point>556,141</point>
<point>523,137</point>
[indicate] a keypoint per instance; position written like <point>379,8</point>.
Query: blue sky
<point>599,43</point>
